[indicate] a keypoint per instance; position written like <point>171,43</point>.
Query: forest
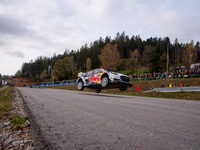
<point>116,54</point>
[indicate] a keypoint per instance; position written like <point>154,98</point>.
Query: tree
<point>190,55</point>
<point>131,63</point>
<point>88,64</point>
<point>155,59</point>
<point>64,68</point>
<point>120,40</point>
<point>18,73</point>
<point>146,56</point>
<point>136,55</point>
<point>177,56</point>
<point>109,57</point>
<point>162,62</point>
<point>122,64</point>
<point>58,70</point>
<point>43,75</point>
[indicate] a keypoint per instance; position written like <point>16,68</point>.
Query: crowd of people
<point>169,85</point>
<point>172,74</point>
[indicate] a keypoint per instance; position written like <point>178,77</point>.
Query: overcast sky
<point>32,28</point>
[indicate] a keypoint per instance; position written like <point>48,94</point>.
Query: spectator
<point>190,72</point>
<point>170,85</point>
<point>152,87</point>
<point>174,84</point>
<point>181,84</point>
<point>162,85</point>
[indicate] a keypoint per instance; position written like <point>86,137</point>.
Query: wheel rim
<point>80,85</point>
<point>104,81</point>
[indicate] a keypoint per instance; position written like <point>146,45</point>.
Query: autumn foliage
<point>88,64</point>
<point>110,57</point>
<point>190,55</point>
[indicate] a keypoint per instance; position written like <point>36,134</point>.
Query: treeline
<point>129,53</point>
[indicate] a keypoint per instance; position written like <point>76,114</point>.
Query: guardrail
<point>176,89</point>
<point>51,85</point>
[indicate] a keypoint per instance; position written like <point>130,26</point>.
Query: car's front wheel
<point>124,88</point>
<point>104,82</point>
<point>80,85</point>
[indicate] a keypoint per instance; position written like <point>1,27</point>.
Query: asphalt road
<point>89,121</point>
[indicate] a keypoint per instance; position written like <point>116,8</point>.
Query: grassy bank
<point>146,84</point>
<point>6,98</point>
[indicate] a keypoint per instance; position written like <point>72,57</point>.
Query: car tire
<point>124,88</point>
<point>80,85</point>
<point>97,90</point>
<point>104,82</point>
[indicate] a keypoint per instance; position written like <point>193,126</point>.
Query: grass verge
<point>18,122</point>
<point>6,98</point>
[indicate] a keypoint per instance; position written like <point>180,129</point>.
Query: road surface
<point>65,119</point>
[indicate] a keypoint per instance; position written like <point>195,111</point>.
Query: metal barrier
<point>51,85</point>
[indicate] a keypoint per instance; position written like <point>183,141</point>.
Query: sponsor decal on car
<point>94,79</point>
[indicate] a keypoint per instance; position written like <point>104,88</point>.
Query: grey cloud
<point>2,42</point>
<point>15,54</point>
<point>10,25</point>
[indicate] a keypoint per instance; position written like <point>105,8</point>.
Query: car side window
<point>97,71</point>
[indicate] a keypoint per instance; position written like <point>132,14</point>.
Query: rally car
<point>99,79</point>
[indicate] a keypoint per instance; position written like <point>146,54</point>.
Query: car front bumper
<point>121,83</point>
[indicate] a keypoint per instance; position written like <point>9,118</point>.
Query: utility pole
<point>167,57</point>
<point>53,82</point>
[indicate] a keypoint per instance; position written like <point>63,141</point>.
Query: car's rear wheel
<point>97,90</point>
<point>124,88</point>
<point>80,85</point>
<point>104,82</point>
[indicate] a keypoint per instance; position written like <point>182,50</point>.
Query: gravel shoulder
<point>20,139</point>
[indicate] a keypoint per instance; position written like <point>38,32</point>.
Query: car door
<point>94,77</point>
<point>87,77</point>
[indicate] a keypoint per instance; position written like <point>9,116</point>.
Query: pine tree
<point>156,55</point>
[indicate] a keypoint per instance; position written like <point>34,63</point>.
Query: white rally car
<point>102,79</point>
